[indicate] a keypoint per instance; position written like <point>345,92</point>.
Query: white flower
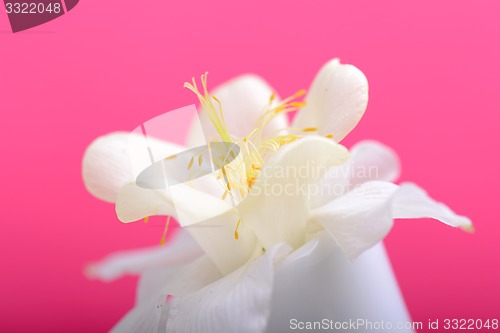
<point>222,278</point>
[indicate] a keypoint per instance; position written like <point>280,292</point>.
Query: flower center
<point>238,176</point>
<point>254,150</point>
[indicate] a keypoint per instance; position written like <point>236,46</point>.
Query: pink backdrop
<point>433,70</point>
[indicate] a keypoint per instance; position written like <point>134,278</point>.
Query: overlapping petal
<point>372,160</point>
<point>209,220</point>
<point>180,250</point>
<point>239,302</point>
<point>412,202</point>
<point>278,203</point>
<point>152,308</point>
<point>110,162</point>
<point>361,218</point>
<point>336,100</point>
<point>243,99</point>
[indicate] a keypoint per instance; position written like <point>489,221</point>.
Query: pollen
<point>191,161</point>
<point>171,157</point>
<point>310,129</point>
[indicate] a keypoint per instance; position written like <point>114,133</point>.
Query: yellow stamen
<point>200,160</point>
<point>236,235</point>
<point>170,157</point>
<point>329,136</point>
<point>469,228</point>
<point>190,165</point>
<point>146,219</point>
<point>298,104</point>
<point>271,99</point>
<point>254,150</point>
<point>310,129</point>
<point>216,117</point>
<point>164,236</point>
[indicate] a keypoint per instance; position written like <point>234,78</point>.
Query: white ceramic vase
<point>317,283</point>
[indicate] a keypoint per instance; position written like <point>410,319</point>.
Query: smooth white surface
<point>324,284</point>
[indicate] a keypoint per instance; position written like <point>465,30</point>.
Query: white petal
<point>239,302</point>
<point>364,216</point>
<point>278,203</point>
<point>180,250</point>
<point>243,99</point>
<point>216,236</point>
<point>110,162</point>
<point>413,202</point>
<point>359,219</point>
<point>183,202</point>
<point>336,100</point>
<point>145,318</point>
<point>152,309</point>
<point>209,220</point>
<point>371,160</point>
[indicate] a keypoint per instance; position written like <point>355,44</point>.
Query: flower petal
<point>362,217</point>
<point>243,99</point>
<point>216,236</point>
<point>336,101</point>
<point>412,202</point>
<point>359,219</point>
<point>371,160</point>
<point>239,302</point>
<point>180,250</point>
<point>145,318</point>
<point>180,201</point>
<point>108,162</point>
<point>152,308</point>
<point>209,220</point>
<point>278,203</point>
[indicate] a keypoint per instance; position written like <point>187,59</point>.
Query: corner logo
<point>26,14</point>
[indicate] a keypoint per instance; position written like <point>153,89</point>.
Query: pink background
<point>433,69</point>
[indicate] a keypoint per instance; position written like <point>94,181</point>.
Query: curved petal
<point>362,217</point>
<point>209,220</point>
<point>108,162</point>
<point>145,318</point>
<point>371,160</point>
<point>277,206</point>
<point>359,219</point>
<point>180,201</point>
<point>239,302</point>
<point>243,99</point>
<point>336,101</point>
<point>180,250</point>
<point>412,202</point>
<point>217,238</point>
<point>152,308</point>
